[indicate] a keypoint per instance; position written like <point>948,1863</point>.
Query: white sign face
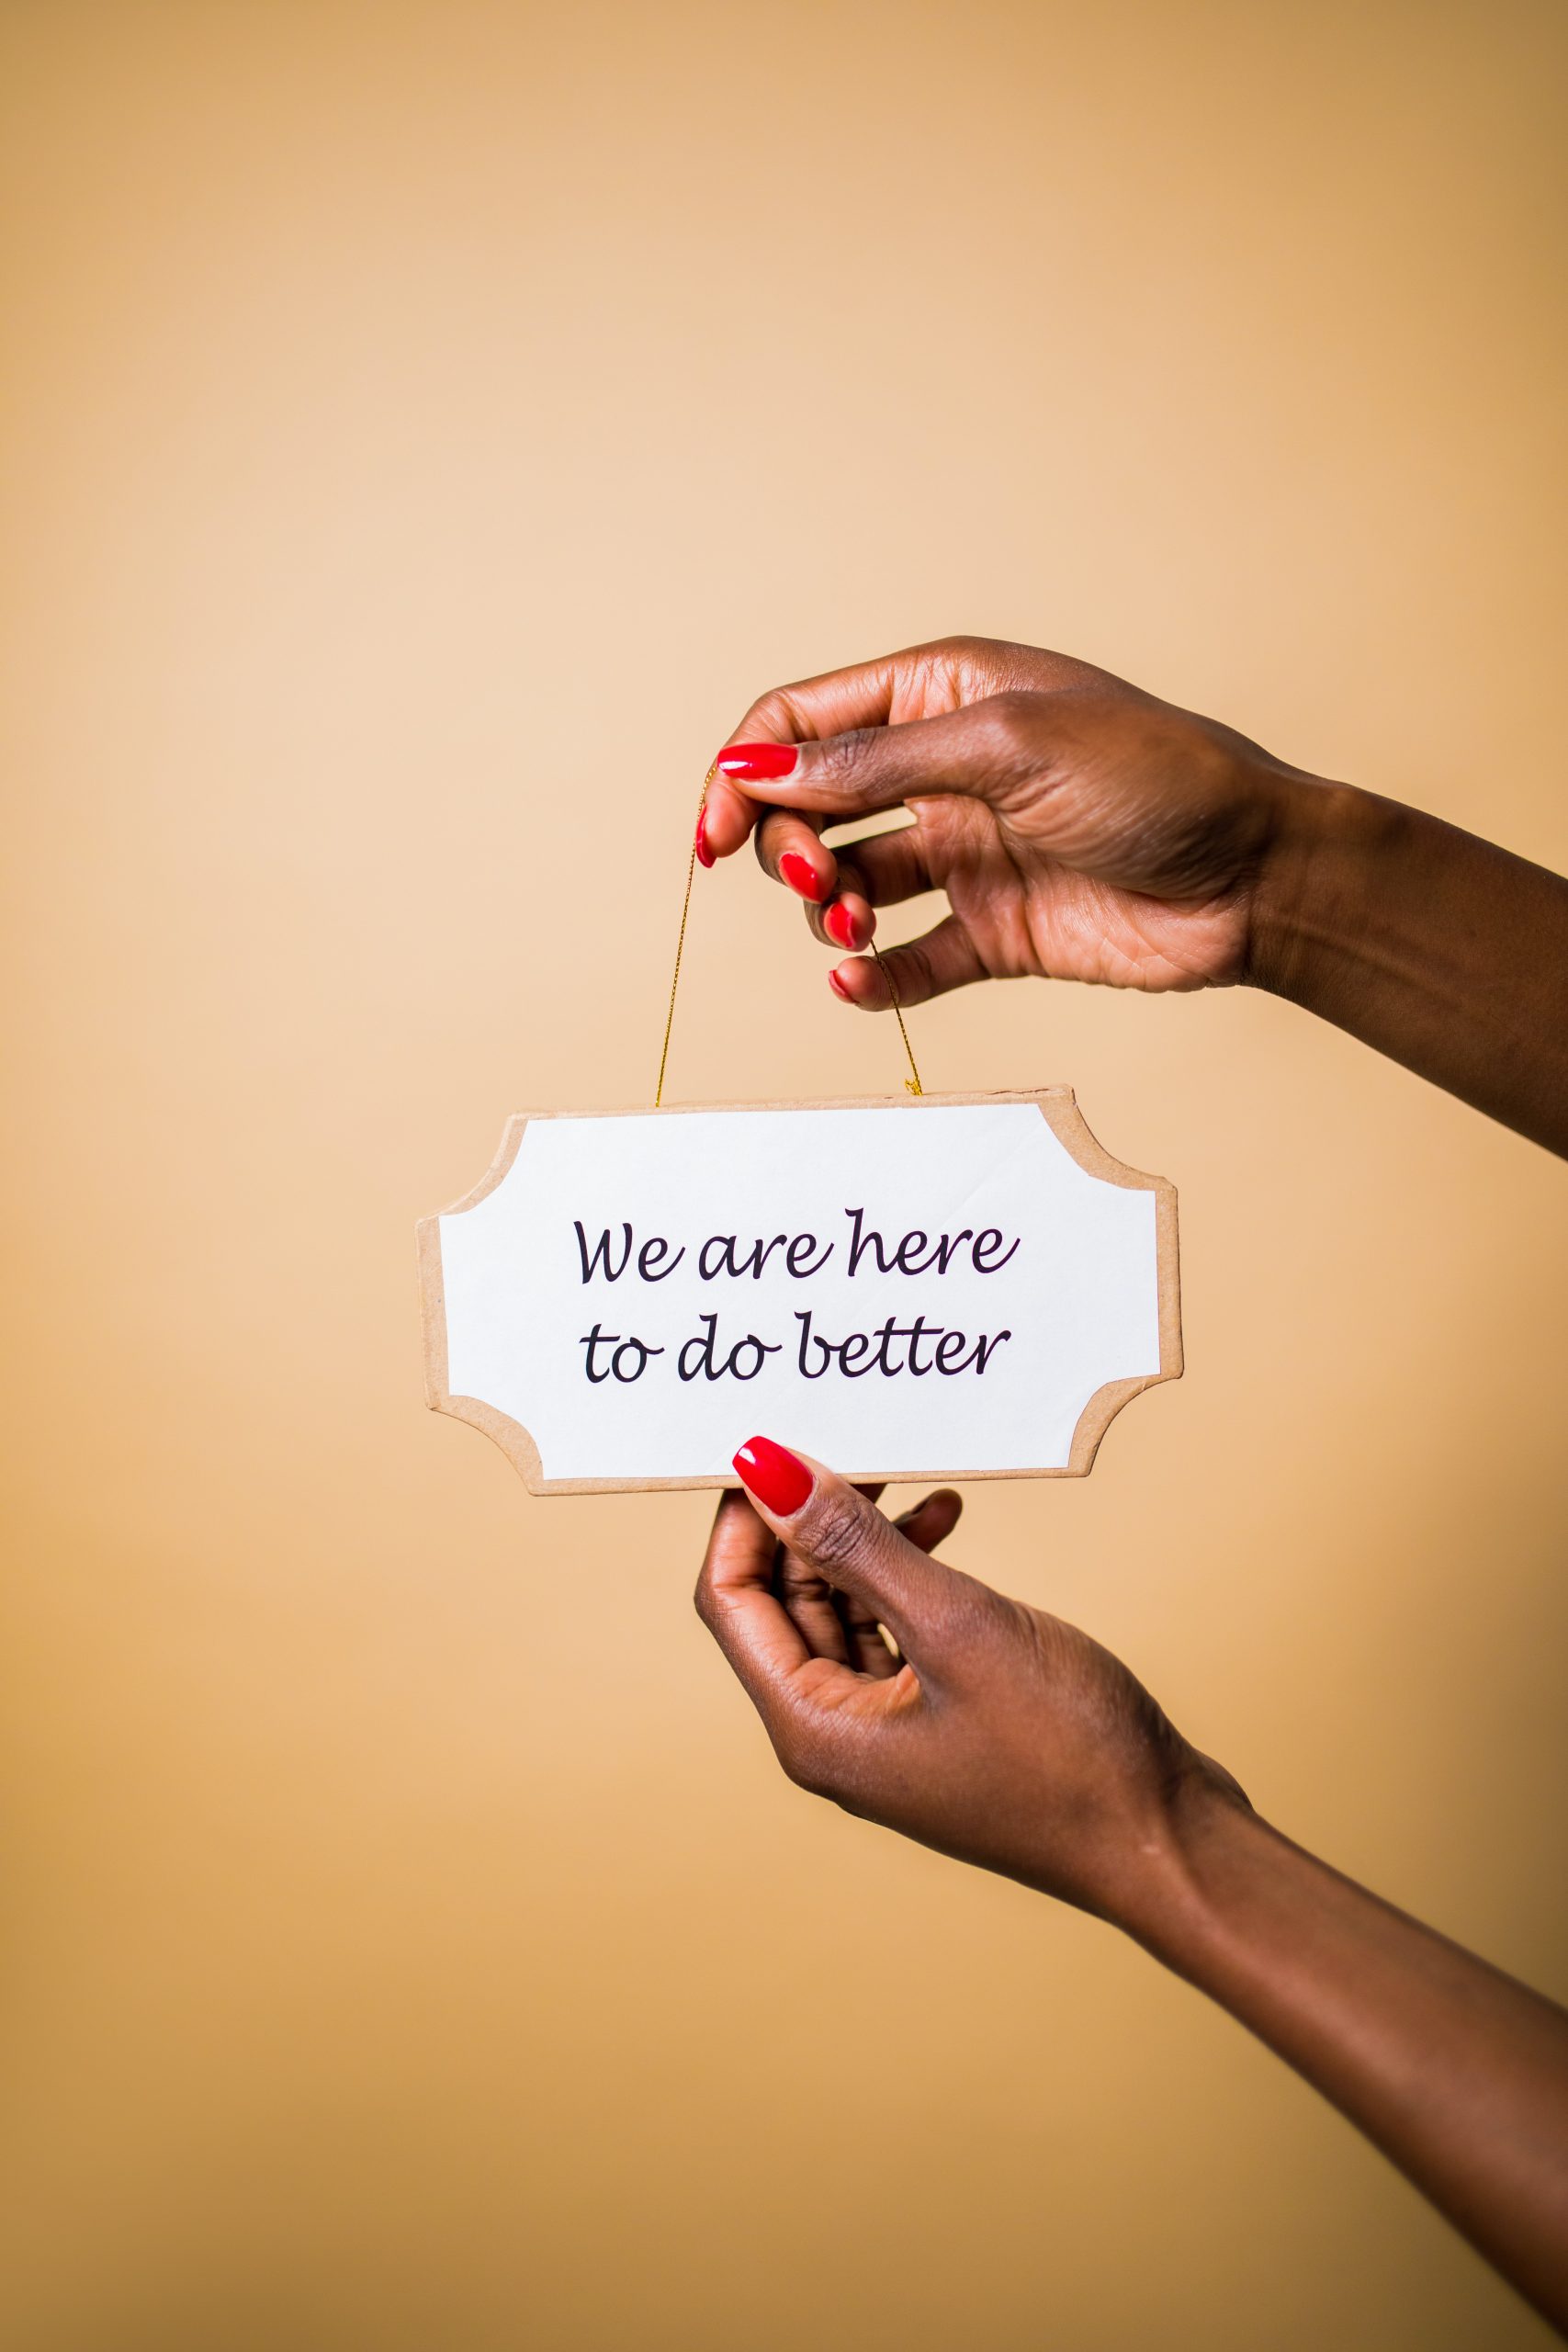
<point>947,1287</point>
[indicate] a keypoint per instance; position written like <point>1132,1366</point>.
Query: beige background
<point>426,426</point>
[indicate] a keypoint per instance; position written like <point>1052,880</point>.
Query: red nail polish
<point>840,990</point>
<point>777,1478</point>
<point>838,925</point>
<point>756,763</point>
<point>704,855</point>
<point>800,877</point>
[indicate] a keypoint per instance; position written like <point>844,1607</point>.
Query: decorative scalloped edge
<point>1057,1106</point>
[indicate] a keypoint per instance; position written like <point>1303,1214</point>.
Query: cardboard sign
<point>961,1286</point>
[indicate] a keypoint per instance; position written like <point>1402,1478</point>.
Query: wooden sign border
<point>1057,1106</point>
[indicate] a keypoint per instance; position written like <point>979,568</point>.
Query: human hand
<point>1081,829</point>
<point>1005,1737</point>
<point>997,1734</point>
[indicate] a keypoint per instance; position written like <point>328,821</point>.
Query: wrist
<point>1173,1903</point>
<point>1317,881</point>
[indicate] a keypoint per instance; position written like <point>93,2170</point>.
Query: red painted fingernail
<point>835,984</point>
<point>756,763</point>
<point>839,924</point>
<point>777,1477</point>
<point>704,855</point>
<point>800,877</point>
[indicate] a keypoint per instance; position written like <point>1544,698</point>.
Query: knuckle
<point>977,1623</point>
<point>993,1626</point>
<point>838,760</point>
<point>1010,717</point>
<point>838,1536</point>
<point>770,715</point>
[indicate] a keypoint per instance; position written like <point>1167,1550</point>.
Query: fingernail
<point>839,924</point>
<point>835,984</point>
<point>756,763</point>
<point>704,855</point>
<point>777,1477</point>
<point>800,877</point>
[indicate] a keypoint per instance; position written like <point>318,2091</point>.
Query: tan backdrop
<point>427,425</point>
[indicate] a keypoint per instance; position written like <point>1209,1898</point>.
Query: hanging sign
<point>958,1286</point>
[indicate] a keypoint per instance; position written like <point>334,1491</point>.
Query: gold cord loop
<point>681,938</point>
<point>911,1084</point>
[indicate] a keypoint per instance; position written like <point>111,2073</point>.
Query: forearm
<point>1458,2074</point>
<point>1440,950</point>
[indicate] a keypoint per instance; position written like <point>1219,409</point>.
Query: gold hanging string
<point>911,1084</point>
<point>681,936</point>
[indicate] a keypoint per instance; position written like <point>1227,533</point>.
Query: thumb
<point>988,750</point>
<point>841,1534</point>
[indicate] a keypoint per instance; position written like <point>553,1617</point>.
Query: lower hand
<point>1003,1737</point>
<point>996,1733</point>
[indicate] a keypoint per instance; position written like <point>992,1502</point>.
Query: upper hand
<point>998,1734</point>
<point>1081,829</point>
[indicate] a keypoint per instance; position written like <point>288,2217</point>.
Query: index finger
<point>991,751</point>
<point>765,1649</point>
<point>863,696</point>
<point>736,1603</point>
<point>927,681</point>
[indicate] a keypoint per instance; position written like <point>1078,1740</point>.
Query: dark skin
<point>1083,830</point>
